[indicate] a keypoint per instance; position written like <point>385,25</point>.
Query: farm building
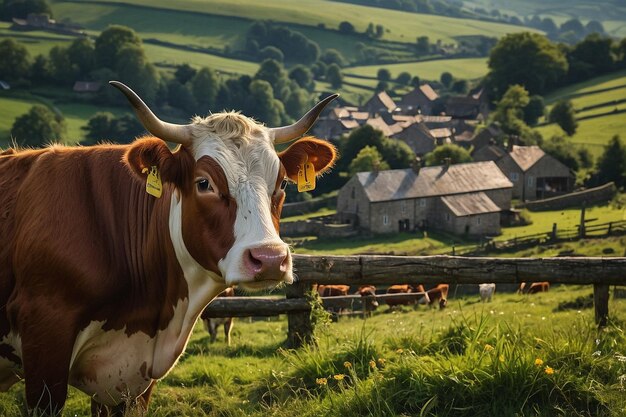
<point>534,174</point>
<point>379,103</point>
<point>462,199</point>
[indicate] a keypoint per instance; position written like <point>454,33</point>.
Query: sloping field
<point>466,68</point>
<point>402,27</point>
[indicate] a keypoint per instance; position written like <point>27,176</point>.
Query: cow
<point>211,324</point>
<point>534,287</point>
<point>392,302</point>
<point>438,294</point>
<point>486,291</point>
<point>110,253</point>
<point>333,291</point>
<point>369,302</point>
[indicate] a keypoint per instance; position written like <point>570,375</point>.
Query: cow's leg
<point>228,326</point>
<point>47,341</point>
<point>213,330</point>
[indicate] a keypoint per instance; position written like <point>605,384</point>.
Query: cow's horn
<point>164,130</point>
<point>299,128</point>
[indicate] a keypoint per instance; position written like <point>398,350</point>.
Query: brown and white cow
<point>212,324</point>
<point>101,284</point>
<point>438,295</point>
<point>369,302</point>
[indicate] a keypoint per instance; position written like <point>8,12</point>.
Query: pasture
<point>401,27</point>
<point>537,355</point>
<point>464,68</point>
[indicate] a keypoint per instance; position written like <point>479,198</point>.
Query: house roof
<point>526,156</point>
<point>488,153</point>
<point>443,132</point>
<point>388,130</point>
<point>401,184</point>
<point>470,203</point>
<point>385,100</point>
<point>340,112</point>
<point>349,124</point>
<point>428,91</point>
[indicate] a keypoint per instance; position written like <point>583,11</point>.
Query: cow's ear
<point>319,152</point>
<point>174,167</point>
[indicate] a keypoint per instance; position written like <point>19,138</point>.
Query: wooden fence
<point>389,270</point>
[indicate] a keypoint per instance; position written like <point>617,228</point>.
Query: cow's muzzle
<point>268,262</point>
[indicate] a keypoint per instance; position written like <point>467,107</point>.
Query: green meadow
<point>538,355</point>
<point>402,27</point>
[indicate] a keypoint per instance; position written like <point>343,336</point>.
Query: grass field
<point>466,68</point>
<point>515,356</point>
<point>403,27</point>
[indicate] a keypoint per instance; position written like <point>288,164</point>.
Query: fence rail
<point>388,270</point>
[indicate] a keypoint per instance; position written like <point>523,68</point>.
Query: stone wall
<point>303,207</point>
<point>588,197</point>
<point>317,227</point>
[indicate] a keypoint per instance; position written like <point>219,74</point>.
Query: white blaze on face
<point>251,166</point>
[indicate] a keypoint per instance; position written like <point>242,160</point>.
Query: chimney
<point>416,165</point>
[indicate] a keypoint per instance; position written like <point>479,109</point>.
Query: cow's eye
<point>204,185</point>
<point>283,184</point>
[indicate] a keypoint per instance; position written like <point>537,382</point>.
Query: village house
<point>465,199</point>
<point>534,174</point>
<point>378,104</point>
<point>419,100</point>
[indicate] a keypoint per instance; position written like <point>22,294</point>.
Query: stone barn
<point>463,199</point>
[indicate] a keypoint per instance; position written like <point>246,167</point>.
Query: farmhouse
<point>462,199</point>
<point>534,174</point>
<point>419,100</point>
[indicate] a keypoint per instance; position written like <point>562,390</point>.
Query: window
<point>403,206</point>
<point>478,220</point>
<point>514,176</point>
<point>531,180</point>
<point>352,193</point>
<point>422,202</point>
<point>447,217</point>
<point>385,219</point>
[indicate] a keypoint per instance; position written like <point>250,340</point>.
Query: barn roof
<point>401,184</point>
<point>428,91</point>
<point>470,204</point>
<point>526,156</point>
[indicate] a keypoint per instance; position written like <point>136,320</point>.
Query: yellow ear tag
<point>306,177</point>
<point>154,186</point>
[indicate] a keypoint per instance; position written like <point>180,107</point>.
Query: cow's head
<point>229,188</point>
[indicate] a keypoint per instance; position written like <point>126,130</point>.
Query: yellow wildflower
<point>538,362</point>
<point>372,364</point>
<point>501,358</point>
<point>399,350</point>
<point>321,381</point>
<point>347,364</point>
<point>339,377</point>
<point>381,361</point>
<point>488,347</point>
<point>548,370</point>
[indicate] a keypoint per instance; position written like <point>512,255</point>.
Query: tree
<point>271,71</point>
<point>455,153</point>
<point>111,41</point>
<point>298,103</point>
<point>590,57</point>
<point>403,78</point>
<point>446,79</point>
<point>37,127</point>
<point>303,76</point>
<point>563,151</point>
<point>593,26</point>
<point>422,47</point>
<point>180,97</point>
<point>333,56</point>
<point>383,74</point>
<point>133,68</point>
<point>612,163</point>
<point>271,52</point>
<point>204,87</point>
<point>573,25</point>
<point>184,73</point>
<point>534,110</point>
<point>104,126</point>
<point>61,67</point>
<point>40,70</point>
<point>459,86</point>
<point>368,159</point>
<point>262,104</point>
<point>346,27</point>
<point>415,81</point>
<point>563,114</point>
<point>22,8</point>
<point>15,61</point>
<point>81,53</point>
<point>527,59</point>
<point>334,76</point>
<point>509,115</point>
<point>395,152</point>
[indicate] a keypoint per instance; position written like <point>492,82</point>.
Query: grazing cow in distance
<point>405,289</point>
<point>110,253</point>
<point>369,303</point>
<point>486,291</point>
<point>333,291</point>
<point>438,294</point>
<point>534,287</point>
<point>211,324</point>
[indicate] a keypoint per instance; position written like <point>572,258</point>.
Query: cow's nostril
<point>255,263</point>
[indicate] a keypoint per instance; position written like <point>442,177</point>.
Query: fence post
<point>299,325</point>
<point>554,231</point>
<point>581,228</point>
<point>601,303</point>
<point>608,230</point>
